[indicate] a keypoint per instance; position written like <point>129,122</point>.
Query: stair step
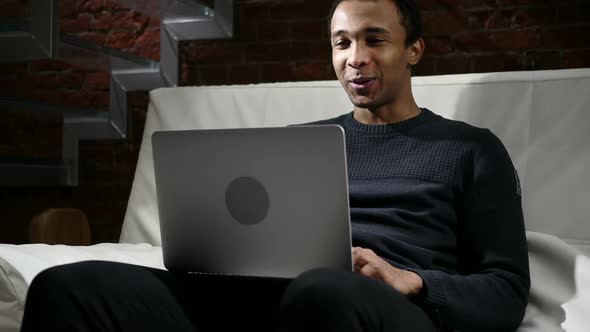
<point>31,172</point>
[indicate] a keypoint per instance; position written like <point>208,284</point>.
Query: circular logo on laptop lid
<point>247,200</point>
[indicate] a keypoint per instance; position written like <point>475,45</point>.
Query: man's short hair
<point>410,18</point>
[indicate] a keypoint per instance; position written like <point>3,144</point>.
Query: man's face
<point>368,52</point>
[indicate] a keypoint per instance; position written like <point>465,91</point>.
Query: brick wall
<point>275,41</point>
<point>288,40</point>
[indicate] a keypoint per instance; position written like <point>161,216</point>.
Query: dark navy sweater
<point>442,198</point>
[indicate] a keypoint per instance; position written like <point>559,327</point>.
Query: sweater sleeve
<point>491,291</point>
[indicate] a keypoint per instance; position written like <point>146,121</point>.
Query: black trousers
<point>108,296</point>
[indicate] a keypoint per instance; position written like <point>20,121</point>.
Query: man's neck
<point>386,114</point>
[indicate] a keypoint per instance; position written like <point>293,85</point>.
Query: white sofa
<point>542,117</point>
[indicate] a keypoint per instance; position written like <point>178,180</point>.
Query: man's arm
<point>491,292</point>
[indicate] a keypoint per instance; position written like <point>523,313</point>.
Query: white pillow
<point>19,264</point>
<point>556,268</point>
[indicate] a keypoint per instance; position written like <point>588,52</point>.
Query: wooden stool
<point>60,226</point>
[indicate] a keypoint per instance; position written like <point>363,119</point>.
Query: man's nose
<point>359,56</point>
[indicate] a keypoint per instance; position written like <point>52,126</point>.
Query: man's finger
<point>370,270</point>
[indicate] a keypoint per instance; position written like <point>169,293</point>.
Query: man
<point>435,208</point>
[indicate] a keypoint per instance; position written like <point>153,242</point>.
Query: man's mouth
<point>361,83</point>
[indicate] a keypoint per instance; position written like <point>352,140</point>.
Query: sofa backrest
<point>543,118</point>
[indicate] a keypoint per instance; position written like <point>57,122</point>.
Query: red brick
<point>138,99</point>
<point>308,51</point>
<point>497,20</point>
<point>247,32</point>
<point>565,38</point>
<point>299,9</point>
<point>478,4</point>
<point>280,72</point>
<point>497,62</point>
<point>542,60</point>
<point>152,8</point>
<point>515,40</point>
<point>78,98</point>
<point>149,39</point>
<point>129,20</point>
<point>47,65</point>
<point>90,5</point>
<point>521,2</point>
<point>455,64</point>
<point>189,75</point>
<point>311,71</point>
<point>577,59</point>
<point>75,25</point>
<point>270,31</point>
<point>471,42</point>
<point>213,75</point>
<point>120,39</point>
<point>85,67</point>
<point>95,37</point>
<point>50,96</point>
<point>533,17</point>
<point>424,67</point>
<point>244,74</point>
<point>97,81</point>
<point>253,12</point>
<point>217,52</point>
<point>438,45</point>
<point>113,6</point>
<point>265,52</point>
<point>71,80</point>
<point>147,53</point>
<point>458,4</point>
<point>104,21</point>
<point>102,99</point>
<point>574,13</point>
<point>67,8</point>
<point>331,74</point>
<point>313,30</point>
<point>11,68</point>
<point>445,22</point>
<point>154,22</point>
<point>40,81</point>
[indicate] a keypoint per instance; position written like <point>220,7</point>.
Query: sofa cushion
<point>540,116</point>
<point>19,264</point>
<point>12,288</point>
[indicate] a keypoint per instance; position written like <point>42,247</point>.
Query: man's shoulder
<point>336,120</point>
<point>460,130</point>
<point>483,140</point>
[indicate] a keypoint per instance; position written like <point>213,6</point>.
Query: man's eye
<point>341,43</point>
<point>375,40</point>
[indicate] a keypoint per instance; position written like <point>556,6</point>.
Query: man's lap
<point>151,297</point>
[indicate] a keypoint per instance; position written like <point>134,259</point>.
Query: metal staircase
<point>37,37</point>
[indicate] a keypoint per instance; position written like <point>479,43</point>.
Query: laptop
<point>264,202</point>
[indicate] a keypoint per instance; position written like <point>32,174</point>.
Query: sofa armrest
<point>560,275</point>
<point>19,264</point>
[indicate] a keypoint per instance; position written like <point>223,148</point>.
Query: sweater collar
<point>424,116</point>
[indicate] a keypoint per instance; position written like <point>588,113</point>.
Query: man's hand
<point>367,263</point>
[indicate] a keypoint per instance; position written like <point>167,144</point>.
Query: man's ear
<point>415,51</point>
